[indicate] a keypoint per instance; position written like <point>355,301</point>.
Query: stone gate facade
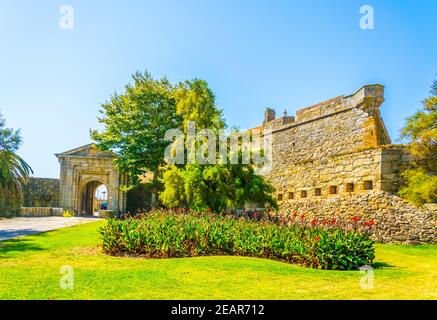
<point>84,169</point>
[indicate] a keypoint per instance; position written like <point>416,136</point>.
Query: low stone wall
<point>40,212</point>
<point>396,220</point>
<point>41,192</point>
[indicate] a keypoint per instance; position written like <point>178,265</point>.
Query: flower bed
<point>165,234</point>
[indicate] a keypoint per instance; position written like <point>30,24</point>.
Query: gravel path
<point>18,227</point>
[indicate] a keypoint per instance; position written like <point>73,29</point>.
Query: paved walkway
<point>18,227</point>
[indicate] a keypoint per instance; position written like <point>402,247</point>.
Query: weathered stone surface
<point>84,169</point>
<point>41,192</point>
<point>336,158</point>
<point>336,142</point>
<point>40,212</point>
<point>396,220</point>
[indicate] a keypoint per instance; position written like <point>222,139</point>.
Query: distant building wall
<point>10,206</point>
<point>41,192</point>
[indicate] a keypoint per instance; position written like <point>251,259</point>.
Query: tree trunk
<point>153,200</point>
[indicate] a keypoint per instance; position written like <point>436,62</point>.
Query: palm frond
<point>14,173</point>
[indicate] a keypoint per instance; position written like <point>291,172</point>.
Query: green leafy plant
<point>187,233</point>
<point>420,133</point>
<point>14,171</point>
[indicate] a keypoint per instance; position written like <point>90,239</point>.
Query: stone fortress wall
<point>336,158</point>
<point>41,192</point>
<point>332,144</point>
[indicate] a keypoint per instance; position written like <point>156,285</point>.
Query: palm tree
<point>14,172</point>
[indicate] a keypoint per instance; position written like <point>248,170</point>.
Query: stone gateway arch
<point>84,169</point>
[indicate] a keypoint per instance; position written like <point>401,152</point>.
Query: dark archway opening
<point>94,198</point>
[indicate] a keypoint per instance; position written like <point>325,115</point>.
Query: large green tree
<point>135,123</point>
<point>195,102</point>
<point>14,171</point>
<point>420,132</point>
<point>217,186</point>
<point>135,127</point>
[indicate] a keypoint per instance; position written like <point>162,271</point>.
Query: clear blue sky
<point>253,54</point>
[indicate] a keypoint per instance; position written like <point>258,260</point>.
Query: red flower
<point>355,219</point>
<point>369,223</point>
<point>333,222</point>
<point>302,216</point>
<point>254,216</point>
<point>208,209</point>
<point>317,238</point>
<point>294,214</point>
<point>314,221</point>
<point>324,222</point>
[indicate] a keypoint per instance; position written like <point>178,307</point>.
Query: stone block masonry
<point>41,192</point>
<point>396,220</point>
<point>40,212</point>
<point>336,158</point>
<point>332,146</point>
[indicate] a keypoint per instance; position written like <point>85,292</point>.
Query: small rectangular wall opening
<point>368,185</point>
<point>350,187</point>
<point>291,195</point>
<point>303,194</point>
<point>280,197</point>
<point>333,189</point>
<point>317,192</point>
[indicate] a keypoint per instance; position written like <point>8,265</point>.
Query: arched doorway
<point>85,168</point>
<point>100,198</point>
<point>94,197</point>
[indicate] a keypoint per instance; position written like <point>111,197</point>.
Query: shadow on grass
<point>6,235</point>
<point>18,245</point>
<point>381,265</point>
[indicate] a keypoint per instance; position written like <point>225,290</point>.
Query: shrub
<point>165,234</point>
<point>420,188</point>
<point>68,213</point>
<point>107,214</point>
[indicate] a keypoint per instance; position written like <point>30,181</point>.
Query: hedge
<point>163,234</point>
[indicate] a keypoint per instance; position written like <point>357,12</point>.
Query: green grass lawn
<point>30,269</point>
